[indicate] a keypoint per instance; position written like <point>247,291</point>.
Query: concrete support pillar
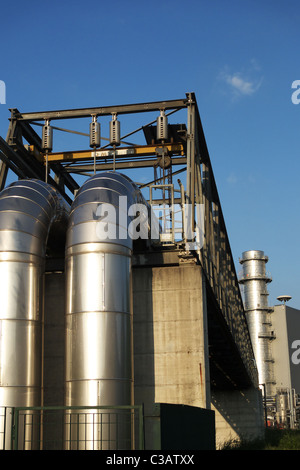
<point>171,362</point>
<point>238,414</point>
<point>54,340</point>
<point>53,359</point>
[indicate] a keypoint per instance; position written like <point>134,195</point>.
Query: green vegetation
<point>275,439</point>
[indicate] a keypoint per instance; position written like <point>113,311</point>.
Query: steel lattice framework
<point>185,151</point>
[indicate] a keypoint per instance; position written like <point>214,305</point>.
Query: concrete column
<point>54,340</point>
<point>53,358</point>
<point>171,362</point>
<point>238,414</point>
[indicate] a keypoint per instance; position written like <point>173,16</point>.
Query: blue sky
<point>239,57</point>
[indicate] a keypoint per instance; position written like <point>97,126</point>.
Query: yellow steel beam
<point>138,151</point>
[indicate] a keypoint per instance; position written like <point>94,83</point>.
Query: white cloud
<point>232,178</point>
<point>242,84</point>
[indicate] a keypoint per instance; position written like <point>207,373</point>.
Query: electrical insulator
<point>162,126</point>
<point>114,131</point>
<point>47,137</point>
<point>95,133</point>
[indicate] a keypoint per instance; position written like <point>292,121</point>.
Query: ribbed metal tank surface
<point>29,209</point>
<point>98,304</point>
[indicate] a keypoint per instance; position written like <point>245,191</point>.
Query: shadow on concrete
<point>143,346</point>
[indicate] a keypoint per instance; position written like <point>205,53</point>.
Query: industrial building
<point>122,321</point>
<point>274,334</point>
<point>285,411</point>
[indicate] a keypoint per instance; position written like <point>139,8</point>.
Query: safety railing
<point>72,428</point>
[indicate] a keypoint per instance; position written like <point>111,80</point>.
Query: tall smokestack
<point>255,280</point>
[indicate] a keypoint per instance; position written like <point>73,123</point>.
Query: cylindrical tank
<point>28,209</point>
<point>254,280</point>
<point>162,126</point>
<point>114,131</point>
<point>95,133</point>
<point>47,137</point>
<point>98,311</point>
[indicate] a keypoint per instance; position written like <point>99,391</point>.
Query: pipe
<point>98,306</point>
<point>29,210</point>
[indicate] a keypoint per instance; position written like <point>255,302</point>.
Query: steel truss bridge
<point>182,153</point>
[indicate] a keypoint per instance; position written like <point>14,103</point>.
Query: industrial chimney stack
<point>255,280</point>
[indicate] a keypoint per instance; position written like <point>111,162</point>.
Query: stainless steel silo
<point>98,312</point>
<point>28,211</point>
<point>255,294</point>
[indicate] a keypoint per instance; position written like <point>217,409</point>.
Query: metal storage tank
<point>99,311</point>
<point>29,209</point>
